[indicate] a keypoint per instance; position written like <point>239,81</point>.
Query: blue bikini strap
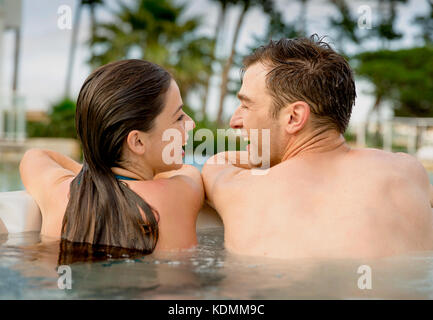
<point>119,177</point>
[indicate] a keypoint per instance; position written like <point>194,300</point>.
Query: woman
<point>124,194</point>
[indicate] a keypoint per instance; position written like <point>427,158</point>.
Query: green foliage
<point>61,122</point>
<point>211,126</point>
<point>156,30</point>
<point>386,29</point>
<point>403,77</point>
<point>346,23</point>
<point>349,136</point>
<point>426,25</point>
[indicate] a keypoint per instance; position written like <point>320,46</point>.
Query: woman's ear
<point>135,142</point>
<point>295,116</point>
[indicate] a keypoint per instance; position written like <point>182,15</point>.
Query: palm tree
<point>246,4</point>
<point>303,18</point>
<point>426,24</point>
<point>92,4</point>
<point>386,27</point>
<point>217,32</point>
<point>156,30</point>
<point>77,19</point>
<point>346,24</point>
<point>385,32</point>
<point>276,26</point>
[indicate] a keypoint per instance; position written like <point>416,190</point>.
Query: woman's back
<point>127,112</point>
<point>176,195</point>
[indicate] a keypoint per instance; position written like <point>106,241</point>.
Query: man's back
<point>320,198</point>
<point>357,203</point>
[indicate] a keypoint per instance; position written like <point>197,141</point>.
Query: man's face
<point>254,112</point>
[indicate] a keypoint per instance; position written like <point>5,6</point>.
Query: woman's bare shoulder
<point>177,211</point>
<point>170,193</point>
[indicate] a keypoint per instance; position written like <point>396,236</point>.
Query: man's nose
<point>236,121</point>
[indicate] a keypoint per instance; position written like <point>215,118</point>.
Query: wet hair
<point>73,252</point>
<point>114,100</point>
<point>308,69</point>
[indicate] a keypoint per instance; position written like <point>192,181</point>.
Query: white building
<point>12,112</point>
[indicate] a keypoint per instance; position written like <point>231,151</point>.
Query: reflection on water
<point>28,270</point>
<point>28,265</point>
<point>10,177</point>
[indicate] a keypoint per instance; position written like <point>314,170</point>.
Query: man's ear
<point>295,116</point>
<point>135,142</point>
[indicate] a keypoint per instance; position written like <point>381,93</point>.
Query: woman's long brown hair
<point>115,99</point>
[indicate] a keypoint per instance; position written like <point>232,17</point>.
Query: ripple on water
<point>28,265</point>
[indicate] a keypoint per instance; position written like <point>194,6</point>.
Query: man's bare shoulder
<point>398,165</point>
<point>381,157</point>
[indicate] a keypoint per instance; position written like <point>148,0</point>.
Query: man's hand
<point>431,195</point>
<point>236,158</point>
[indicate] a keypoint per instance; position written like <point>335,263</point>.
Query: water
<point>28,265</point>
<point>10,177</point>
<point>28,270</point>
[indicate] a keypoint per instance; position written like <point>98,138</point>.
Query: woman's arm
<point>64,161</point>
<point>41,169</point>
<point>220,170</point>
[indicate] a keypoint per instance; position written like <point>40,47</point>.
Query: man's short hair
<point>308,69</point>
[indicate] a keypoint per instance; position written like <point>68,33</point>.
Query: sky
<point>45,47</point>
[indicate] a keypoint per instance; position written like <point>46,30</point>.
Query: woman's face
<point>163,143</point>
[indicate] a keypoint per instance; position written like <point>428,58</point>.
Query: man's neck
<point>314,142</point>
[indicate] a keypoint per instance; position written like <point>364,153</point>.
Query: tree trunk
<point>227,66</point>
<point>16,60</point>
<point>418,138</point>
<point>72,49</point>
<point>220,22</point>
<point>303,18</point>
<point>374,109</point>
<point>92,22</point>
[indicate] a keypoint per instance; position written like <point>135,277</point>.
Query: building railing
<point>413,132</point>
<point>12,118</point>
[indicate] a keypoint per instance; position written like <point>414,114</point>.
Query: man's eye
<point>244,107</point>
<point>180,118</point>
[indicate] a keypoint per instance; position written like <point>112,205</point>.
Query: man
<point>320,197</point>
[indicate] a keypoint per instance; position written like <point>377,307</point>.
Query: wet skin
<point>319,198</point>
